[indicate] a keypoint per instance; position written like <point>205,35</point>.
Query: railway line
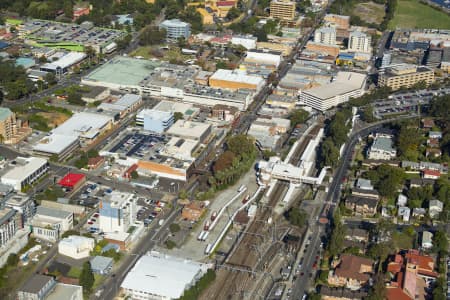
<point>257,244</point>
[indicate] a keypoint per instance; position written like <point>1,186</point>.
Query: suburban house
<point>405,213</point>
<point>351,272</point>
<point>435,208</point>
<point>427,240</point>
<point>431,174</point>
<point>362,206</point>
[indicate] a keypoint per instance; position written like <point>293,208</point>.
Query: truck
<point>213,216</point>
<point>206,226</point>
<point>245,199</point>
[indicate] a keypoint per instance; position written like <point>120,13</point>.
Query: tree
<point>378,290</point>
<point>440,242</point>
<point>328,153</point>
<point>13,260</point>
<point>337,236</point>
<point>86,279</point>
<point>297,217</point>
<point>178,116</point>
<point>183,194</point>
<point>152,36</point>
<point>408,141</point>
<point>233,13</point>
<point>298,116</point>
<point>134,175</point>
<point>68,9</point>
<point>50,78</point>
<point>174,228</point>
<point>74,98</point>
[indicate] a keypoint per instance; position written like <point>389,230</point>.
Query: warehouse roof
<point>188,129</point>
<point>55,143</point>
<point>162,275</point>
<point>83,124</point>
<point>50,212</point>
<point>66,61</point>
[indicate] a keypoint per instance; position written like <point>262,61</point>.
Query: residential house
<point>433,152</point>
<point>382,148</point>
<point>419,212</point>
<point>364,184</point>
<point>351,272</point>
<point>402,200</point>
<point>435,208</point>
<point>428,123</point>
<point>101,265</point>
<point>431,174</point>
<point>362,206</point>
<point>328,293</point>
<point>366,193</point>
<point>427,240</point>
<point>420,182</point>
<point>36,288</point>
<point>435,135</point>
<point>405,213</point>
<point>433,142</point>
<point>357,234</point>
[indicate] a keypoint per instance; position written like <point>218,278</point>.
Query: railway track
<point>252,251</point>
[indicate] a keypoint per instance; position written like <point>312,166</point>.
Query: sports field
<point>413,14</point>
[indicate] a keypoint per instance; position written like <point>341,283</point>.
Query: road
<point>331,202</point>
<point>112,284</point>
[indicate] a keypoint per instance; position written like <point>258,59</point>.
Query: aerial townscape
<point>224,149</point>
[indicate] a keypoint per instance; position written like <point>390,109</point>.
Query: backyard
<point>370,12</point>
<point>413,14</point>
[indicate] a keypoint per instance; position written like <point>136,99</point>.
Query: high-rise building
<point>359,42</point>
<point>117,211</point>
<point>7,124</point>
<point>405,75</point>
<point>9,224</point>
<point>325,35</point>
<point>176,29</point>
<point>282,9</point>
<point>154,120</point>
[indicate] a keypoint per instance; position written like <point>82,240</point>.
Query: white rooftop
<point>76,241</point>
<point>83,124</point>
<point>344,82</point>
<point>188,129</point>
<point>237,76</point>
<point>24,167</point>
<point>128,100</point>
<point>165,276</point>
<point>65,61</point>
<point>154,114</point>
<point>55,143</point>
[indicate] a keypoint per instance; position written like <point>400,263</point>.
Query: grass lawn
<point>413,14</point>
<point>370,12</point>
<point>174,54</point>
<point>74,272</point>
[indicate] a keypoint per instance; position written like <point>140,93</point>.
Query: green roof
<point>4,113</point>
<point>124,71</point>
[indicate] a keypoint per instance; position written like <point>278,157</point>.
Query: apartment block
<point>405,75</point>
<point>282,9</point>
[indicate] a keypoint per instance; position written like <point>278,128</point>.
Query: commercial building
<point>180,148</point>
<point>246,41</point>
<point>235,79</point>
<point>351,271</point>
<point>101,265</point>
<point>346,85</point>
<point>282,9</point>
<point>176,29</point>
<point>341,22</point>
<point>12,130</point>
<point>81,129</point>
<point>63,64</point>
<point>49,224</point>
<point>263,59</point>
<point>188,110</point>
<point>76,247</point>
<point>154,120</point>
<point>37,287</point>
<point>25,207</point>
<point>156,276</point>
<point>190,130</point>
<point>122,106</point>
<point>66,291</point>
<point>9,224</point>
<point>96,93</point>
<point>320,52</point>
<point>72,181</point>
<point>26,171</point>
<point>117,212</point>
<point>405,75</point>
<point>268,131</point>
<point>325,35</point>
<point>382,148</point>
<point>359,42</point>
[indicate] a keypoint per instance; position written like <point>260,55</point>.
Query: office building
<point>190,130</point>
<point>49,224</point>
<point>263,59</point>
<point>235,79</point>
<point>76,247</point>
<point>405,75</point>
<point>346,85</point>
<point>36,288</point>
<point>359,42</point>
<point>26,171</point>
<point>325,35</point>
<point>282,9</point>
<point>154,120</point>
<point>120,107</point>
<point>9,224</point>
<point>25,207</point>
<point>176,29</point>
<point>156,276</point>
<point>117,212</point>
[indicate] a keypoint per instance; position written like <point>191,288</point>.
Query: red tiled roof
<point>71,179</point>
<point>350,266</point>
<point>432,172</point>
<point>396,294</point>
<point>225,3</point>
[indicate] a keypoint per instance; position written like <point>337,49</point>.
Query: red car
<point>314,265</point>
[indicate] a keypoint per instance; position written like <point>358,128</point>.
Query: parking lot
<point>139,145</point>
